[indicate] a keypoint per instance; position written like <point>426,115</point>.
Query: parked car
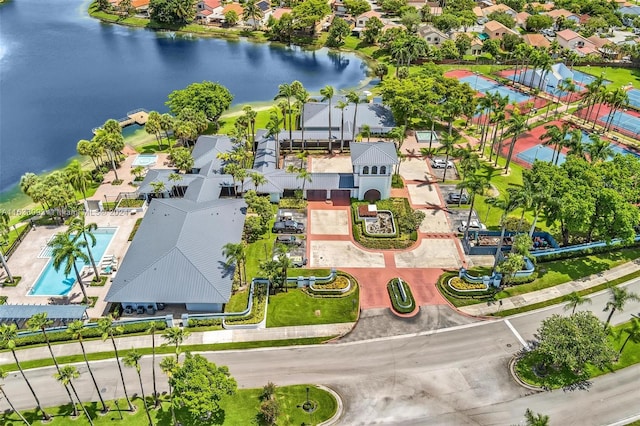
<point>296,261</point>
<point>456,198</point>
<point>474,225</point>
<point>438,163</point>
<point>287,226</point>
<point>289,239</point>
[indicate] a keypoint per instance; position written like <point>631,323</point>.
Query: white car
<point>474,225</point>
<point>438,163</point>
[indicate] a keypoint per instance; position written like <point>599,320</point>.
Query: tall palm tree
<point>555,137</point>
<point>447,145</point>
<point>67,251</point>
<point>474,185</point>
<point>153,327</point>
<point>168,365</point>
<point>273,130</point>
<point>108,329</point>
<point>132,359</point>
<point>174,178</point>
<point>75,329</point>
<point>286,92</point>
<point>618,98</point>
<point>166,124</point>
<point>78,227</point>
<point>3,375</point>
<point>600,97</point>
<point>302,98</point>
<point>153,127</point>
<point>258,180</point>
<point>574,300</point>
<point>66,375</point>
<point>305,175</point>
<point>252,11</point>
<point>575,144</point>
<point>598,149</point>
<point>507,204</point>
<point>535,419</point>
<point>594,89</point>
<point>327,93</point>
<point>354,98</point>
<point>633,334</point>
<point>620,296</point>
<point>365,131</point>
<point>517,125</point>
<point>485,105</point>
<point>236,254</point>
<point>78,177</point>
<point>341,105</point>
<point>176,336</point>
<point>8,336</point>
<point>4,230</point>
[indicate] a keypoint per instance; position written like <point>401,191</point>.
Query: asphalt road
<point>456,376</point>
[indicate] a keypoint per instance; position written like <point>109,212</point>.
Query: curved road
<point>456,376</point>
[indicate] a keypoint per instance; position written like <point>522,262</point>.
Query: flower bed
<point>340,283</point>
<point>401,305</point>
<point>459,284</point>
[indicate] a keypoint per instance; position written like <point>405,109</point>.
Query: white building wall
<point>205,307</point>
<point>380,182</point>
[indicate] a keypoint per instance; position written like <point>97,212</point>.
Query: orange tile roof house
<point>362,19</point>
<point>575,42</point>
<point>521,19</point>
<point>555,14</point>
<point>277,14</point>
<point>536,40</point>
<point>543,6</point>
<point>495,30</point>
<point>499,8</point>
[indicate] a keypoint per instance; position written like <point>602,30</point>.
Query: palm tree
<point>286,92</point>
<point>619,297</point>
<point>252,11</point>
<point>4,230</point>
<point>175,336</point>
<point>507,204</point>
<point>632,331</point>
<point>258,180</point>
<point>132,359</point>
<point>327,93</point>
<point>78,227</point>
<point>3,375</point>
<point>517,124</point>
<point>153,326</point>
<point>108,329</point>
<point>341,105</point>
<point>273,130</point>
<point>365,131</point>
<point>302,97</point>
<point>485,106</point>
<point>8,336</point>
<point>301,173</point>
<point>65,376</point>
<point>153,127</point>
<point>574,300</point>
<point>236,254</point>
<point>447,145</point>
<point>75,329</point>
<point>474,185</point>
<point>166,124</point>
<point>354,97</point>
<point>78,177</point>
<point>575,144</point>
<point>598,149</point>
<point>175,178</point>
<point>397,135</point>
<point>536,419</point>
<point>168,365</point>
<point>68,251</point>
<point>556,137</point>
<point>618,98</point>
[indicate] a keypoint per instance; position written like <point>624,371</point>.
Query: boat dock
<point>137,116</point>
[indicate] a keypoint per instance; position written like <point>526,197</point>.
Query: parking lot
<point>452,172</point>
<point>456,216</point>
<point>301,217</point>
<point>451,189</point>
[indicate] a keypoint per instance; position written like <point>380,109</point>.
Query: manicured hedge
<point>87,333</point>
<point>209,322</point>
<point>14,283</point>
<point>584,252</point>
<point>135,229</point>
<point>452,293</point>
<point>396,297</point>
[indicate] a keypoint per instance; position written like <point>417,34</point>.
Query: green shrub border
<point>335,294</point>
<point>453,295</point>
<point>3,300</point>
<point>394,295</point>
<point>399,240</point>
<point>14,283</point>
<point>208,322</point>
<point>135,229</point>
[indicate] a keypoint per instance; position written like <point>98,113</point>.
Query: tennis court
<point>634,97</point>
<point>539,152</point>
<point>485,86</point>
<point>623,120</point>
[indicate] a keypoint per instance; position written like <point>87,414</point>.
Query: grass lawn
<point>618,76</point>
<point>561,271</point>
<point>260,250</point>
<point>239,409</point>
<point>296,307</point>
<point>238,301</point>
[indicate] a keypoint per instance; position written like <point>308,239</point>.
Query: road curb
<point>339,409</point>
<point>512,371</point>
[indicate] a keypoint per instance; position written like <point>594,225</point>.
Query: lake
<point>63,73</point>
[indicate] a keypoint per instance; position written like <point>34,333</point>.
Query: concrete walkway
<point>198,338</point>
<point>482,309</point>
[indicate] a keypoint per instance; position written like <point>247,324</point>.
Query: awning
<point>54,312</point>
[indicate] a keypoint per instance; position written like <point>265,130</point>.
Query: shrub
<point>3,300</point>
<point>14,283</point>
<point>253,229</point>
<point>269,411</point>
<point>461,284</point>
<point>268,391</point>
<point>135,229</point>
<point>292,203</point>
<point>130,203</point>
<point>403,307</point>
<point>523,280</point>
<point>257,310</point>
<point>117,182</point>
<point>209,322</point>
<point>396,182</point>
<point>511,224</point>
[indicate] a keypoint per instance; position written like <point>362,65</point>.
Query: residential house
<point>499,8</point>
<point>573,41</point>
<point>495,30</point>
<point>207,10</point>
<point>278,12</point>
<point>521,19</point>
<point>141,7</point>
<point>361,20</point>
<point>480,19</point>
<point>567,15</point>
<point>606,47</point>
<point>536,40</point>
<point>628,14</point>
<point>542,6</point>
<point>432,35</point>
<point>476,45</point>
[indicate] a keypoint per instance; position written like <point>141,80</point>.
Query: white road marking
<point>515,332</point>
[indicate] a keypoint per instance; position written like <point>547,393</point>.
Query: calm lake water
<point>63,73</point>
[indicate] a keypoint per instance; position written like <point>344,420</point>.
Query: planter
<point>401,297</point>
<point>461,285</point>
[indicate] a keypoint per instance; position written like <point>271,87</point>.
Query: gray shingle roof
<point>377,116</point>
<point>265,159</point>
<point>205,152</point>
<point>207,188</point>
<point>373,153</point>
<point>162,175</point>
<point>176,255</point>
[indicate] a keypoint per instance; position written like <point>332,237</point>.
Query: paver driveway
<point>424,195</point>
<point>342,254</point>
<point>415,168</point>
<point>435,221</point>
<point>431,253</point>
<point>329,222</point>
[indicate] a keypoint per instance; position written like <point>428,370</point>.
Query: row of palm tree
<point>66,374</point>
<point>598,94</point>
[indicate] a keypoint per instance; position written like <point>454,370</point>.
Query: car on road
<point>288,239</point>
<point>438,163</point>
<point>456,198</point>
<point>296,261</point>
<point>474,225</point>
<point>287,226</point>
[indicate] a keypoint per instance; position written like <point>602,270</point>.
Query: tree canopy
<point>210,98</point>
<point>175,12</point>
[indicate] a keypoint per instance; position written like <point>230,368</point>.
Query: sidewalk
<point>482,309</point>
<point>196,338</point>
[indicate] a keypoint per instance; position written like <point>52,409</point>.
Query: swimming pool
<point>145,160</point>
<point>483,85</point>
<point>426,136</point>
<point>55,283</point>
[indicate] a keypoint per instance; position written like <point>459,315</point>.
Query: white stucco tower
<point>373,165</point>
